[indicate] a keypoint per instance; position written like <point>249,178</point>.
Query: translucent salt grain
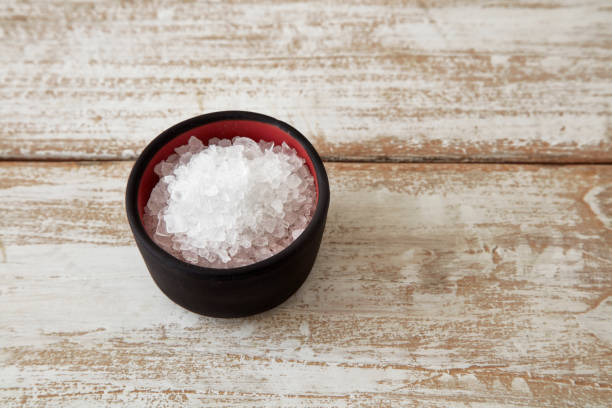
<point>231,203</point>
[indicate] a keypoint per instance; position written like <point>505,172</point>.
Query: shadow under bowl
<point>232,292</point>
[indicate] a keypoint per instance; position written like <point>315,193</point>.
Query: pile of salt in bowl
<point>231,203</point>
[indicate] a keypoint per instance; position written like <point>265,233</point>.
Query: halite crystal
<point>231,203</point>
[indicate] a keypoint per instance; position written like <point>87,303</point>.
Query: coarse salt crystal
<point>231,203</point>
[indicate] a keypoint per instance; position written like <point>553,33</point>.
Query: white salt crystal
<point>231,203</point>
<point>181,150</point>
<point>157,169</point>
<point>260,241</point>
<point>266,145</point>
<point>195,144</point>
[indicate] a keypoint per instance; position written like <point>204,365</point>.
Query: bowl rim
<point>243,272</point>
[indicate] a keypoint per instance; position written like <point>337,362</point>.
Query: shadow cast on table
<point>362,265</point>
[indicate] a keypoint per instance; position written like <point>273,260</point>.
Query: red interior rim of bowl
<point>225,129</point>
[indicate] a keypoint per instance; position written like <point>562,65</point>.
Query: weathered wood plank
<point>379,80</point>
<point>436,285</point>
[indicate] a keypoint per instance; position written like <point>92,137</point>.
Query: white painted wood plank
<point>377,80</point>
<point>436,285</point>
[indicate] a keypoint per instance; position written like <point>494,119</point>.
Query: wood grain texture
<point>436,285</point>
<point>447,80</point>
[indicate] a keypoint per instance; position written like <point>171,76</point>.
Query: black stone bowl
<point>230,292</point>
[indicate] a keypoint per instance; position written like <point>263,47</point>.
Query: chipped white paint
<point>505,303</point>
<point>517,81</point>
<point>520,386</point>
<point>599,199</point>
<point>597,320</point>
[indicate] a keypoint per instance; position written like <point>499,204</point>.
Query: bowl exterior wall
<point>239,297</point>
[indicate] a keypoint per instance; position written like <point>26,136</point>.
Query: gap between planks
<point>337,159</point>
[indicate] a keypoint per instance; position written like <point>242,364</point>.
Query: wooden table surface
<point>467,259</point>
